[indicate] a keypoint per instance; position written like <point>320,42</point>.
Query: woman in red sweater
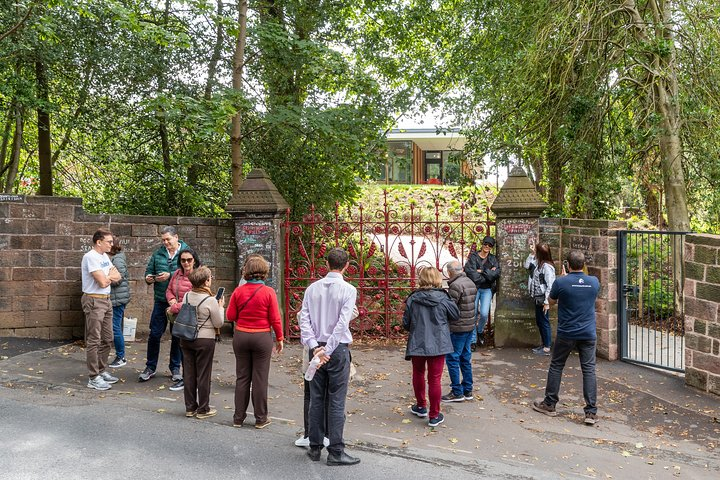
<point>254,310</point>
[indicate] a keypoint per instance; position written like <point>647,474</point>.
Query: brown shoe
<point>544,408</point>
<point>210,413</point>
<point>264,424</point>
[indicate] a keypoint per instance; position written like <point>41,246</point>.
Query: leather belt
<point>97,295</point>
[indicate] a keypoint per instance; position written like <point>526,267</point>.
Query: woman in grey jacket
<point>120,297</point>
<point>427,313</point>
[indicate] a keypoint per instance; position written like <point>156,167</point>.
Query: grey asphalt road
<point>49,440</point>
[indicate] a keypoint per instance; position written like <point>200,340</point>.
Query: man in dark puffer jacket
<point>462,290</point>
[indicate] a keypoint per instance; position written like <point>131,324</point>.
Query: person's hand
<point>279,347</point>
<point>149,279</point>
<point>172,302</point>
<point>494,268</point>
<point>161,277</point>
<point>221,302</point>
<point>546,307</point>
<point>114,274</point>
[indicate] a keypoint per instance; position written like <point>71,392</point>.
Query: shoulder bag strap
<point>198,306</point>
<point>246,301</point>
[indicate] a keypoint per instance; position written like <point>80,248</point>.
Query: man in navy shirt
<point>575,294</point>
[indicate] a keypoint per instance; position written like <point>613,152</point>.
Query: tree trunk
<point>5,141</point>
<point>236,135</point>
<point>196,168</point>
<point>16,147</point>
<point>44,152</point>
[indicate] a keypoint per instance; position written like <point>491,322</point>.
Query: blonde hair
<point>430,277</point>
<point>256,267</point>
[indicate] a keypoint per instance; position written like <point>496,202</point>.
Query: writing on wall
<point>258,237</point>
<point>516,237</point>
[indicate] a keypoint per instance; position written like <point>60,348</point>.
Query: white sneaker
<point>98,383</point>
<point>108,378</point>
<point>305,442</point>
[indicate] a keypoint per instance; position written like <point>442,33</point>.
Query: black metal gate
<point>650,280</point>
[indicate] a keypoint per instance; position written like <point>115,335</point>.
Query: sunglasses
<point>488,244</point>
<point>186,260</point>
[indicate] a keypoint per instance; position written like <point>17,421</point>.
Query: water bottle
<point>312,368</point>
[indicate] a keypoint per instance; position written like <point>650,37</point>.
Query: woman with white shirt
<point>542,275</point>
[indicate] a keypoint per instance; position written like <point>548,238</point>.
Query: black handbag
<point>186,325</point>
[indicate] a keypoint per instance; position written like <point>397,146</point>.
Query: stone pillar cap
<point>518,196</point>
<point>257,194</point>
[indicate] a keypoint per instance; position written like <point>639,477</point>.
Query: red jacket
<point>260,314</point>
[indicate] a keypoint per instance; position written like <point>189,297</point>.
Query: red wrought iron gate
<point>386,250</point>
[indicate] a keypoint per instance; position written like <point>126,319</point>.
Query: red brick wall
<point>43,239</point>
<point>702,312</point>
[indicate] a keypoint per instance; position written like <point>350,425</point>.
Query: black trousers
<point>330,384</point>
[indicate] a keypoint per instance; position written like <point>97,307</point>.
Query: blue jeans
<point>158,324</point>
<point>459,362</point>
<point>560,353</point>
<point>482,309</point>
<point>118,339</point>
<point>542,319</point>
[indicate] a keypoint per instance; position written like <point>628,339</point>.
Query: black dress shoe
<point>342,459</point>
<point>314,453</point>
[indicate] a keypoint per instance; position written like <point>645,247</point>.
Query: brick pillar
<point>517,210</point>
<point>258,210</point>
<point>702,312</point>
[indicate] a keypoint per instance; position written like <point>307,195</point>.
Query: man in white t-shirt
<point>98,273</point>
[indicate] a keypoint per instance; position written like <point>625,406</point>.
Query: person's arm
<point>407,320</point>
<point>217,314</point>
<point>343,322</point>
<point>150,270</point>
<point>231,313</point>
<point>553,295</point>
<point>101,278</point>
<point>453,313</point>
<point>530,260</point>
<point>549,280</point>
<point>170,292</point>
<point>471,267</point>
<point>274,316</point>
<point>307,335</point>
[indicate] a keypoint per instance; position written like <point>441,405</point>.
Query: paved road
<point>651,426</point>
<point>111,441</point>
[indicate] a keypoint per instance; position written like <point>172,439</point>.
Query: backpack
<point>186,325</point>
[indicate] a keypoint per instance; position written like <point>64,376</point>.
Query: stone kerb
<point>43,239</point>
<point>702,312</point>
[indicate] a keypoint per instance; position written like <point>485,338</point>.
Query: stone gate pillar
<point>258,210</point>
<point>517,210</point>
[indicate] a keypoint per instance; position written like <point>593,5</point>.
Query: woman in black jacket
<point>483,268</point>
<point>427,313</point>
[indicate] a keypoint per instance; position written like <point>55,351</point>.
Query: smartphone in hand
<point>220,293</point>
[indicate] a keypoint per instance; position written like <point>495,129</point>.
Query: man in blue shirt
<point>575,294</point>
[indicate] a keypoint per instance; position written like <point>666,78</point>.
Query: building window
<point>398,164</point>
